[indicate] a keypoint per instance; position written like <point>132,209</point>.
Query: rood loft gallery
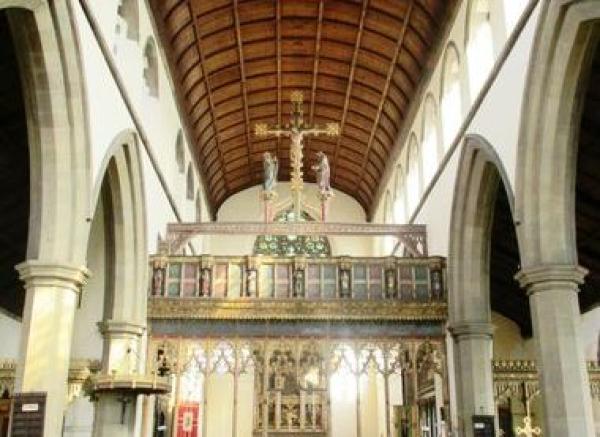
<point>300,218</point>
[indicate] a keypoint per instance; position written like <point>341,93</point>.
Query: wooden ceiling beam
<point>313,92</point>
<point>278,56</point>
<point>211,103</point>
<point>238,37</point>
<point>357,44</point>
<point>324,58</point>
<point>386,88</point>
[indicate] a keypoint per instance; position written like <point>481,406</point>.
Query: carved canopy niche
<point>235,62</point>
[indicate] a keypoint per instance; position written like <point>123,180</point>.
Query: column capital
<point>115,328</point>
<point>546,277</point>
<point>38,273</point>
<point>463,330</point>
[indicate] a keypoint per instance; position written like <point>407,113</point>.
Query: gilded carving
<point>293,309</point>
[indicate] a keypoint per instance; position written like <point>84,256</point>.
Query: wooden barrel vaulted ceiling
<point>359,63</point>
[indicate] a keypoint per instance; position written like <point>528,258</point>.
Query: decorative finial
<point>332,129</point>
<point>261,129</point>
<point>297,97</point>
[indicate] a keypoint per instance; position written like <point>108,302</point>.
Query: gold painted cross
<point>296,130</point>
<point>527,430</point>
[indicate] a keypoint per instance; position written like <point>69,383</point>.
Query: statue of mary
<point>270,167</point>
<point>322,170</point>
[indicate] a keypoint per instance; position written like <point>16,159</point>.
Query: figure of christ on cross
<point>296,130</point>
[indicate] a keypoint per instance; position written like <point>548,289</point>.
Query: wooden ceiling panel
<point>261,67</point>
<point>256,10</point>
<point>212,18</point>
<point>257,31</point>
<point>343,33</point>
<point>189,58</point>
<point>380,46</point>
<point>336,50</point>
<point>186,37</point>
<point>328,112</point>
<point>358,62</point>
<point>258,50</point>
<point>342,11</point>
<point>408,61</point>
<point>262,97</point>
<point>298,27</point>
<point>178,16</point>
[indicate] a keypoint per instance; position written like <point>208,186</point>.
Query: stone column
<point>148,424</point>
<point>52,294</point>
<point>552,291</point>
<point>473,363</point>
<point>115,411</point>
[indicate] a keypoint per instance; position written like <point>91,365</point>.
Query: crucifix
<point>527,430</point>
<point>296,130</point>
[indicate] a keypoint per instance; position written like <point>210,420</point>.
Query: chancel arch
<point>481,178</point>
<point>556,204</point>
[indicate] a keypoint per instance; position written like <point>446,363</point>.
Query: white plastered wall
<point>158,116</point>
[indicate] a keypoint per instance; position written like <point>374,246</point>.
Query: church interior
<point>300,218</point>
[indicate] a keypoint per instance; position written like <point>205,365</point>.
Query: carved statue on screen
<point>323,173</point>
<point>271,168</point>
<point>251,283</point>
<point>205,283</point>
<point>157,281</point>
<point>299,283</point>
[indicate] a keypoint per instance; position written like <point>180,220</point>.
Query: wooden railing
<point>419,280</point>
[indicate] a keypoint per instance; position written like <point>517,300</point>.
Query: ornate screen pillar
<point>357,381</point>
<point>265,393</point>
<point>52,294</point>
<point>236,371</point>
<point>555,315</point>
<point>386,389</point>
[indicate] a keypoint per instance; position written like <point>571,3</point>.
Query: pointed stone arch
<point>60,179</point>
<point>563,51</point>
<point>480,174</point>
<point>57,128</point>
<point>120,187</point>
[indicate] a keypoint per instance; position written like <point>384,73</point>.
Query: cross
<point>296,130</point>
<point>528,430</point>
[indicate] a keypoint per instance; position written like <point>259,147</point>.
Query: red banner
<point>187,419</point>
